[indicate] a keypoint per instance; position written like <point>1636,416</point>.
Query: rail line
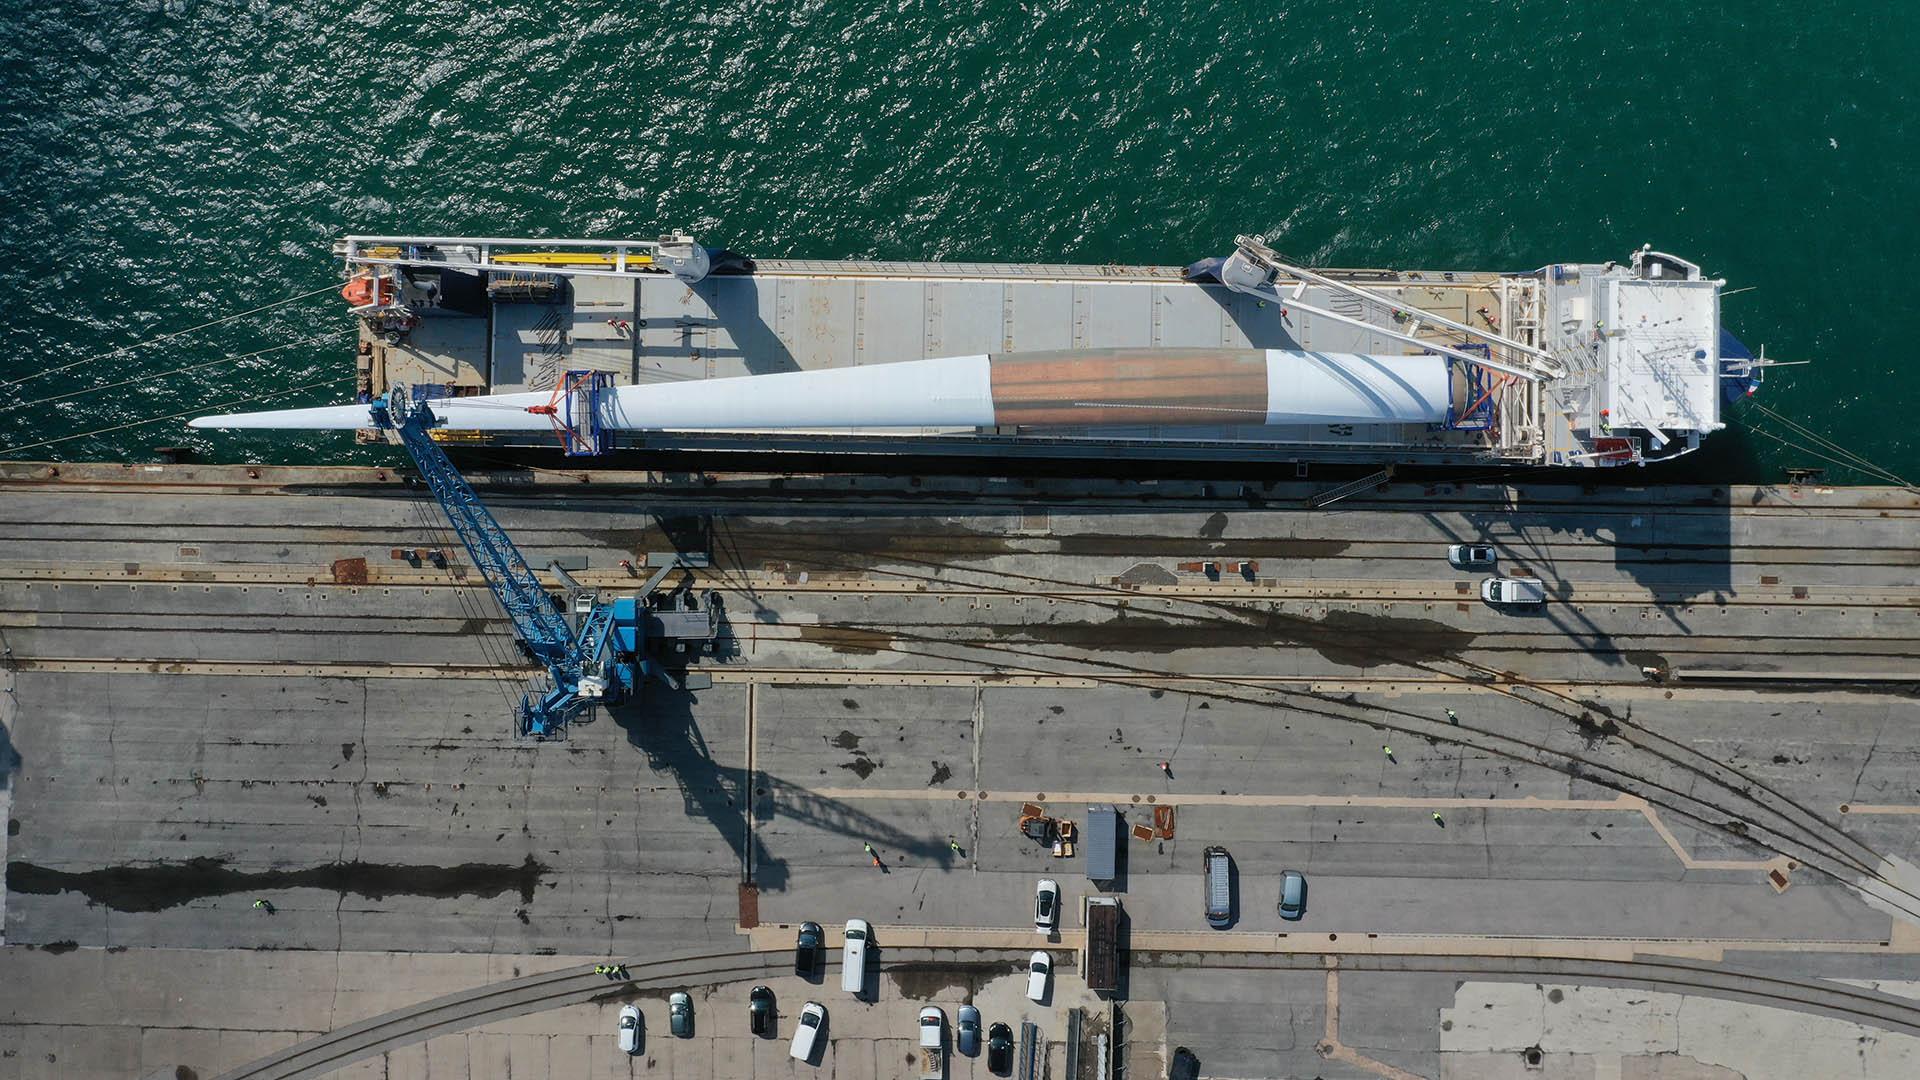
<point>1678,596</point>
<point>774,543</point>
<point>417,1023</point>
<point>514,484</point>
<point>1846,860</point>
<point>1683,976</point>
<point>454,1012</point>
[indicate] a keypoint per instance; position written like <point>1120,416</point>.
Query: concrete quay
<point>1695,751</point>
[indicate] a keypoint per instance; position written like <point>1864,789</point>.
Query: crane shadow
<point>664,726</point>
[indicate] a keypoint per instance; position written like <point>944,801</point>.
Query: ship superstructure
<point>1575,364</point>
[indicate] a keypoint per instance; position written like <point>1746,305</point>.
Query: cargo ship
<point>669,345</point>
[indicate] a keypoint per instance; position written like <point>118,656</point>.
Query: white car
<point>806,1034</point>
<point>853,956</point>
<point>1046,905</point>
<point>629,1029</point>
<point>1039,966</point>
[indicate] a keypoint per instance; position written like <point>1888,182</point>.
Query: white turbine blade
<point>948,391</point>
<point>324,418</point>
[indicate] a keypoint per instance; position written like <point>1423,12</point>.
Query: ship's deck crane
<point>604,656</point>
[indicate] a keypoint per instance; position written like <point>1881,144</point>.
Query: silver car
<point>1293,895</point>
<point>1471,556</point>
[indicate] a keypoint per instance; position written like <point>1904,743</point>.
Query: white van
<point>806,1035</point>
<point>853,957</point>
<point>1502,591</point>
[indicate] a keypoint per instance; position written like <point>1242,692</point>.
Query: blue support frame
<point>1480,417</point>
<point>582,435</point>
<point>546,708</point>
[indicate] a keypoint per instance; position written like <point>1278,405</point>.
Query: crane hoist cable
<point>175,416</point>
<point>331,286</point>
<point>158,375</point>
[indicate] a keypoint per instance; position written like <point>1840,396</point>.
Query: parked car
<point>999,1049</point>
<point>760,1011</point>
<point>629,1029</point>
<point>1039,966</point>
<point>853,957</point>
<point>806,1033</point>
<point>1471,556</point>
<point>680,1014</point>
<point>966,1030</point>
<point>1513,590</point>
<point>933,1043</point>
<point>1046,905</point>
<point>1293,894</point>
<point>806,950</point>
<point>1216,877</point>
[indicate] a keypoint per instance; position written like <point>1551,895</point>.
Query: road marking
<point>1903,940</point>
<point>1430,592</point>
<point>984,677</point>
<point>973,808</point>
<point>1617,804</point>
<point>753,782</point>
<point>1330,1045</point>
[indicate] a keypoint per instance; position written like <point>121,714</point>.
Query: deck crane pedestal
<point>597,650</point>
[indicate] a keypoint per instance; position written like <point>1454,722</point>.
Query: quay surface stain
<point>159,886</point>
<point>948,979</point>
<point>851,640</point>
<point>1349,638</point>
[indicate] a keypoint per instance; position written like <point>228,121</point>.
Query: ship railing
<point>525,255</point>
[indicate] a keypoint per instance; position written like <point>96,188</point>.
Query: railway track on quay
<point>467,1009</point>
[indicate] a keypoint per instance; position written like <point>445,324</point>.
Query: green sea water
<point>166,162</point>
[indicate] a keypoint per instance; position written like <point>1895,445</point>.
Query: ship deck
<point>795,315</point>
<point>221,685</point>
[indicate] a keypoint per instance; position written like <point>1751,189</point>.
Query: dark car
<point>760,1011</point>
<point>680,1014</point>
<point>1000,1049</point>
<point>967,1031</point>
<point>806,950</point>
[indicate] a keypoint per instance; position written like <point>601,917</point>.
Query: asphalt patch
<point>159,886</point>
<point>946,981</point>
<point>1349,638</point>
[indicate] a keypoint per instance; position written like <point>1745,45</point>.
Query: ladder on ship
<point>1355,487</point>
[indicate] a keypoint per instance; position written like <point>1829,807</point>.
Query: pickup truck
<point>933,1043</point>
<point>1513,590</point>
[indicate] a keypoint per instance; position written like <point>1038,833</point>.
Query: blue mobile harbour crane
<point>595,650</point>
